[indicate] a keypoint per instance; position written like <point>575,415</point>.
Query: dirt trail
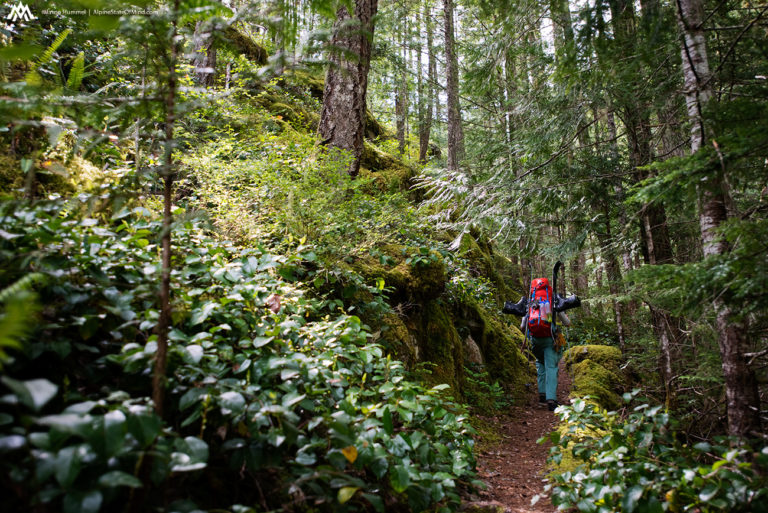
<point>514,468</point>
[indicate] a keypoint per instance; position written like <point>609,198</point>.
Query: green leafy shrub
<point>483,394</point>
<point>266,384</point>
<point>639,464</point>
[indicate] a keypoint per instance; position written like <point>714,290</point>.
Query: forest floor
<point>514,466</point>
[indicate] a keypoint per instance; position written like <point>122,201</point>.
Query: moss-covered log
<point>239,42</point>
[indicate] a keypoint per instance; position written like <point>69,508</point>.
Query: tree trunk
<point>204,59</point>
<point>401,98</point>
<point>455,130</point>
<point>741,392</point>
<point>425,105</point>
<point>164,322</point>
<point>653,219</point>
<point>342,119</point>
<point>613,272</point>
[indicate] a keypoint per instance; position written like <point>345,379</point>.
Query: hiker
<point>540,326</point>
<point>547,353</point>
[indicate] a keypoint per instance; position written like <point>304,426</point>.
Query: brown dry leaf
<point>273,303</point>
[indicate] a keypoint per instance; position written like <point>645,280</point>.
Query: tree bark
<point>425,105</point>
<point>613,272</point>
<point>653,220</point>
<point>342,119</point>
<point>455,130</point>
<point>741,391</point>
<point>159,378</point>
<point>401,98</point>
<point>204,59</point>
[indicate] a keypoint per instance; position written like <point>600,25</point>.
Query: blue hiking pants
<point>547,359</point>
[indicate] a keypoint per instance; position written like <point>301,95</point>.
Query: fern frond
<point>17,321</point>
<point>21,285</point>
<point>33,76</point>
<point>77,72</point>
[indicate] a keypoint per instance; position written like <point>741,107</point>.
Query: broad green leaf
<point>144,428</point>
<point>71,423</point>
<point>197,448</point>
<point>67,465</point>
<point>119,478</point>
<point>262,341</point>
<point>631,497</point>
<point>346,493</point>
<point>305,458</point>
<point>11,443</point>
<point>182,462</point>
<point>399,478</point>
<point>34,393</point>
<point>115,427</point>
<point>193,354</point>
<point>231,403</point>
<point>79,502</point>
<point>708,493</point>
<point>201,314</point>
<point>386,420</point>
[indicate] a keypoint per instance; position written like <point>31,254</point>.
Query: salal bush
<point>639,463</point>
<point>275,399</point>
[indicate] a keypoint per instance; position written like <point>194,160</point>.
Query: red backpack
<point>540,309</point>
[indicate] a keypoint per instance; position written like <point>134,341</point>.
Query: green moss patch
<point>500,345</point>
<point>440,344</point>
<point>607,356</point>
<point>592,379</point>
<point>387,172</point>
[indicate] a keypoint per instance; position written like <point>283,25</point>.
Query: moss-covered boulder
<point>307,80</point>
<point>441,345</point>
<point>409,281</point>
<point>484,261</point>
<point>596,373</point>
<point>593,380</point>
<point>499,344</point>
<point>608,356</point>
<point>374,129</point>
<point>387,173</point>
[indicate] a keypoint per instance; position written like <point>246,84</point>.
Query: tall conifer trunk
<point>425,104</point>
<point>455,130</point>
<point>401,98</point>
<point>741,392</point>
<point>342,119</point>
<point>653,219</point>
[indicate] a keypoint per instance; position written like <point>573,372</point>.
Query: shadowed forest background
<point>253,255</point>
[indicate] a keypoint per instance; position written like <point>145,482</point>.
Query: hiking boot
<point>552,404</point>
<point>542,399</point>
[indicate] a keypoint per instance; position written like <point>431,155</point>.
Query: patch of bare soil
<point>514,468</point>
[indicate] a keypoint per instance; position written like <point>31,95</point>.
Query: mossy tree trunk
<point>342,119</point>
